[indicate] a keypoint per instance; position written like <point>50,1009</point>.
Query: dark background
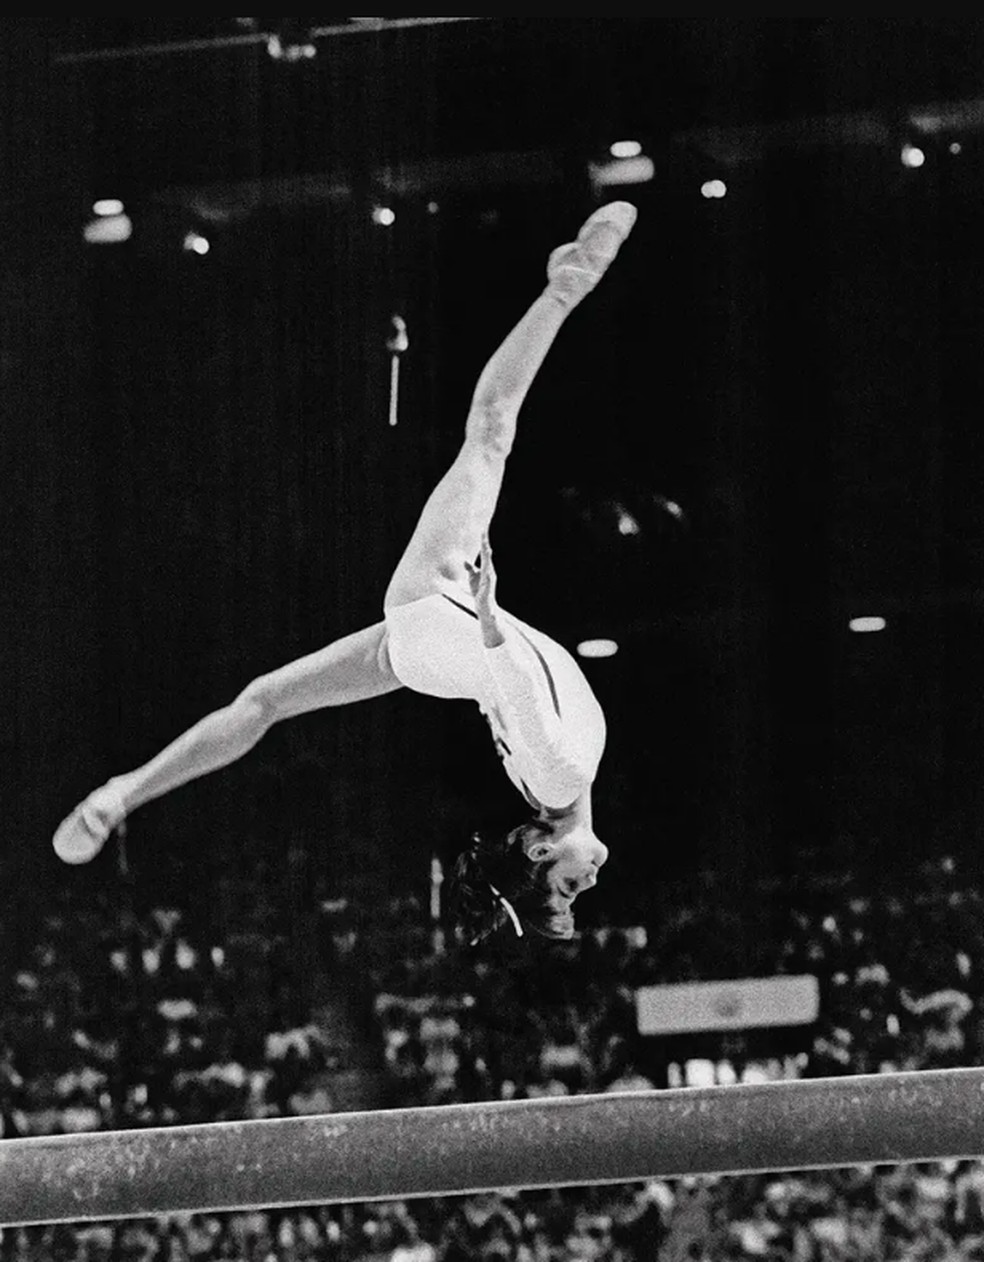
<point>199,481</point>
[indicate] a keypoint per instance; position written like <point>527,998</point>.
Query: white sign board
<point>748,1003</point>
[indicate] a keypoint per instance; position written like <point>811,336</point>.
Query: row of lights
<point>111,224</point>
<point>630,166</point>
<point>913,157</point>
<point>601,648</point>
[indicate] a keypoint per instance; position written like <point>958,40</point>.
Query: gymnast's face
<point>575,856</point>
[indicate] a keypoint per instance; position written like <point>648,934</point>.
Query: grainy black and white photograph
<point>492,640</point>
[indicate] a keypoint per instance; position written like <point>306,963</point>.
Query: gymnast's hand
<point>482,580</point>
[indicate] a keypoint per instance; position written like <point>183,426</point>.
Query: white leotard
<point>546,722</point>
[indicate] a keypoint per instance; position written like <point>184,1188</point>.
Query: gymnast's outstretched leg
<point>459,511</point>
<point>351,669</point>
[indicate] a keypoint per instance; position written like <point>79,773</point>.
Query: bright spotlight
<point>625,149</point>
<point>912,156</point>
<point>384,216</point>
<point>597,648</point>
<point>669,506</point>
<point>196,243</point>
<point>106,206</point>
<point>108,230</point>
<point>713,189</point>
<point>622,171</point>
<point>867,624</point>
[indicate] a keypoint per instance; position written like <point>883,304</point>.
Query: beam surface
<point>454,1149</point>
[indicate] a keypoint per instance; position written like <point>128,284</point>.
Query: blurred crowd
<point>120,1017</point>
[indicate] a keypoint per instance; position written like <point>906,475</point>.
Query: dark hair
<point>502,863</point>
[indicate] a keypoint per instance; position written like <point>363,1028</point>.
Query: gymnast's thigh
<point>435,646</point>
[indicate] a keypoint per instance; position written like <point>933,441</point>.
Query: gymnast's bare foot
<point>574,269</point>
<point>81,835</point>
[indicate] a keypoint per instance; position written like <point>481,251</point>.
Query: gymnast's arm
<point>524,698</point>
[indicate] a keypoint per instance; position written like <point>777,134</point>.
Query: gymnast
<point>444,634</point>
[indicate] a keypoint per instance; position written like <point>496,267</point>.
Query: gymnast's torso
<point>547,725</point>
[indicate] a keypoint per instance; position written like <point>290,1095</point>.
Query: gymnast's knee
<point>491,426</point>
<point>255,709</point>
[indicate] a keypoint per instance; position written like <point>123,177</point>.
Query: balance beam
<point>455,1149</point>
